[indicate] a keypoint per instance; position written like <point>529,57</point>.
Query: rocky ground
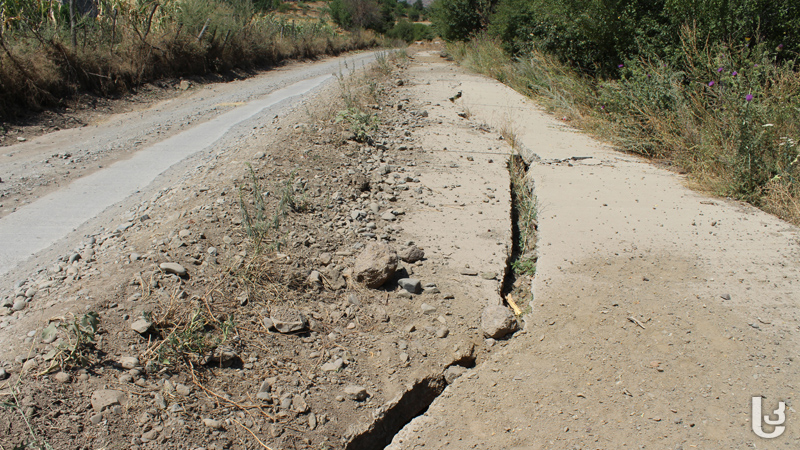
<point>316,320</point>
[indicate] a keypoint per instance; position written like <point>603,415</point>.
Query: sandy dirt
<point>657,312</point>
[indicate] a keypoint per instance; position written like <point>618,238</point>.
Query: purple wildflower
<point>621,66</point>
<point>735,73</point>
<point>719,70</point>
<point>755,65</point>
<point>710,83</point>
<point>780,46</point>
<point>749,97</point>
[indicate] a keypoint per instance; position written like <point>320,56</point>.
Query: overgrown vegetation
<point>717,97</point>
<point>383,16</point>
<point>596,36</point>
<point>49,52</point>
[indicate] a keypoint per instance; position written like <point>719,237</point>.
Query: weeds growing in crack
<point>508,135</point>
<point>523,258</point>
<point>525,210</point>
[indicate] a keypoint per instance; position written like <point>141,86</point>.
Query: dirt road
<point>59,181</point>
<point>657,312</point>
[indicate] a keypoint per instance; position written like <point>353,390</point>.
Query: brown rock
<point>104,398</point>
<point>375,264</point>
<point>288,320</point>
<point>411,254</point>
<point>497,321</point>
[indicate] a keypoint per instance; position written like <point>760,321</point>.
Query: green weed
<point>524,266</point>
<point>363,125</point>
<point>257,221</point>
<point>189,339</point>
<point>78,348</point>
<point>187,343</point>
<point>382,64</point>
<point>525,210</point>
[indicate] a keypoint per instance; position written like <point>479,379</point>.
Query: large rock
<point>129,362</point>
<point>288,320</point>
<point>375,264</point>
<point>172,267</point>
<point>356,393</point>
<point>141,326</point>
<point>412,285</point>
<point>104,398</point>
<point>452,373</point>
<point>497,321</point>
<point>411,254</point>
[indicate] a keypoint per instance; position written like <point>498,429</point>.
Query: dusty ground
<point>658,312</point>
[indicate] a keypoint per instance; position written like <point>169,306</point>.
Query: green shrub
<point>410,32</point>
<point>597,36</point>
<point>458,19</point>
<point>363,124</point>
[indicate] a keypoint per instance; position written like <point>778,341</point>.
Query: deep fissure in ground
<point>415,401</point>
<point>522,258</point>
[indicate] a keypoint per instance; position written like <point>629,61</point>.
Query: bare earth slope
<point>658,312</point>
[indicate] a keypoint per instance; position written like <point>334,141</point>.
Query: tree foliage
<point>599,35</point>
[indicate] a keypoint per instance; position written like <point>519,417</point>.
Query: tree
<point>458,19</point>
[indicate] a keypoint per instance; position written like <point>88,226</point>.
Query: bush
<point>597,36</point>
<point>364,14</point>
<point>458,19</point>
<point>410,32</point>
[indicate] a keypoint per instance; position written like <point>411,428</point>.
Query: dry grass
<point>127,46</point>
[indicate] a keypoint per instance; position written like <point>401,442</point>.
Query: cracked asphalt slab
<point>659,312</point>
